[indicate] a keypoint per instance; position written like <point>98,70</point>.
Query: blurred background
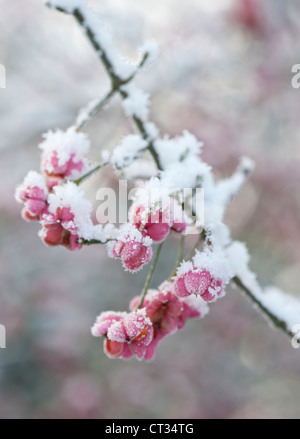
<point>224,73</point>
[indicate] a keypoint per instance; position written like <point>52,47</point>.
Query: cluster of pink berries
<point>60,228</point>
<point>157,223</point>
<point>163,312</point>
<point>55,200</point>
<point>140,331</point>
<point>63,160</point>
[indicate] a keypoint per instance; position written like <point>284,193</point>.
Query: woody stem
<point>150,276</point>
<point>280,324</point>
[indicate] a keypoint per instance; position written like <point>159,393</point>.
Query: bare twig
<point>90,173</point>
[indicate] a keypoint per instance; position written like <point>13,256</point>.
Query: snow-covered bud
<point>104,322</point>
<point>155,224</point>
<point>206,276</point>
<point>33,195</point>
<point>60,229</point>
<point>133,248</point>
<point>68,218</point>
<point>193,282</point>
<point>126,334</point>
<point>64,155</point>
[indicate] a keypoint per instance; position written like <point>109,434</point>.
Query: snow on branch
<point>129,150</point>
<point>172,156</point>
<point>284,306</point>
<point>67,6</point>
<point>280,309</point>
<point>226,189</point>
<point>120,71</point>
<point>55,199</point>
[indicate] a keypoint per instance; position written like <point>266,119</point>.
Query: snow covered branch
<point>280,309</point>
<point>160,207</point>
<point>118,69</point>
<point>87,113</point>
<point>174,156</point>
<point>264,305</point>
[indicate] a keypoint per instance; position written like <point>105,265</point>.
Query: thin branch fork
<point>116,82</point>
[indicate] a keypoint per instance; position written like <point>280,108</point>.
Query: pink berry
<point>180,287</point>
<point>134,254</point>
